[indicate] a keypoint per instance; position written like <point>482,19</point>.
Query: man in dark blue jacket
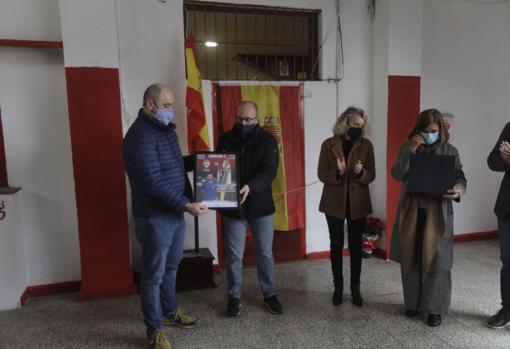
<point>258,163</point>
<point>499,161</point>
<point>160,193</point>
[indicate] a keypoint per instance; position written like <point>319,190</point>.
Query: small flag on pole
<point>198,134</point>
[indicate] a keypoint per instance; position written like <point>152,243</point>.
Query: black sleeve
<point>189,162</point>
<point>269,166</point>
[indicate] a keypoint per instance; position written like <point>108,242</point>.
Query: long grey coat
<point>444,256</point>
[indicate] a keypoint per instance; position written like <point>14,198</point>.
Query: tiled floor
<point>309,321</point>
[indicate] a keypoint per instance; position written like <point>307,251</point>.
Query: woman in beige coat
<point>346,167</point>
<point>422,238</point>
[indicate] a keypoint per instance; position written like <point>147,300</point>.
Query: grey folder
<point>430,174</point>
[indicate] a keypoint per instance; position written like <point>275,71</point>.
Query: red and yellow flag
<point>198,134</point>
<point>279,112</point>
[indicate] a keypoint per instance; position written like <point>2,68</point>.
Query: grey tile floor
<point>309,321</point>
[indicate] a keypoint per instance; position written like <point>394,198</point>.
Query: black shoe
<point>499,320</point>
<point>234,307</point>
<point>356,296</point>
<point>411,313</point>
<point>337,296</point>
<point>434,320</point>
<point>273,304</point>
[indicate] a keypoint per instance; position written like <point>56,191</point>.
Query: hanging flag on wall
<point>198,135</point>
<point>279,112</point>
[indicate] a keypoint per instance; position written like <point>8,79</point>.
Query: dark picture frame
<point>215,180</point>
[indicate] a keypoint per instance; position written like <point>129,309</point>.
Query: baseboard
<point>483,235</point>
<point>49,290</point>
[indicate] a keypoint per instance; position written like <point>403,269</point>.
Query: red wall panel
<point>96,139</point>
<point>403,108</point>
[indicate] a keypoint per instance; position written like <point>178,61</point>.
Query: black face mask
<point>354,133</point>
<point>244,130</point>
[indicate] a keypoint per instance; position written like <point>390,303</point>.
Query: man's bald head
<point>157,96</point>
<point>247,107</point>
<point>247,113</point>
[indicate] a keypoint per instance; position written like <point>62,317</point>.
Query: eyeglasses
<point>247,120</point>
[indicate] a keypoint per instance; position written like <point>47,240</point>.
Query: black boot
<point>337,295</point>
<point>356,296</point>
<point>434,320</point>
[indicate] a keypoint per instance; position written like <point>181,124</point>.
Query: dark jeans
<point>504,242</point>
<point>336,237</point>
<point>162,240</point>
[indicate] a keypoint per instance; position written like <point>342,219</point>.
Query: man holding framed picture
<point>258,164</point>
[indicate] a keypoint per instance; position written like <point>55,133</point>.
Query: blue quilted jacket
<point>155,168</point>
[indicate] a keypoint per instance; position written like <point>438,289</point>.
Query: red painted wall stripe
<point>31,43</point>
<point>96,139</point>
<point>3,163</point>
<point>403,108</point>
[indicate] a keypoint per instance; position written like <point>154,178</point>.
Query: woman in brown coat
<point>346,167</point>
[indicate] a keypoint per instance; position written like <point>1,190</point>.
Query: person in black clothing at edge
<point>499,161</point>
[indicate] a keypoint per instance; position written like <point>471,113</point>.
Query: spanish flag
<point>280,111</point>
<point>198,136</point>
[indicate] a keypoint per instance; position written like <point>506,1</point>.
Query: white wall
<point>13,256</point>
<point>378,123</point>
<point>466,72</point>
<point>38,152</point>
<point>320,110</point>
<point>37,142</point>
<point>405,36</point>
<point>30,20</point>
<point>89,35</point>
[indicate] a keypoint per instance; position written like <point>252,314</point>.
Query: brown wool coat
<point>334,194</point>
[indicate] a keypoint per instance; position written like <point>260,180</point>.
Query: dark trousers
<point>336,238</point>
<point>504,243</point>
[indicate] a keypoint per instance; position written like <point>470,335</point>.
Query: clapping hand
<point>340,163</point>
<point>358,168</point>
<point>504,150</point>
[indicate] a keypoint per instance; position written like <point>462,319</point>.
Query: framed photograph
<point>215,180</point>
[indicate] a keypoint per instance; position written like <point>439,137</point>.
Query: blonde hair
<point>341,125</point>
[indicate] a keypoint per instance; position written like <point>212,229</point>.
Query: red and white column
<point>396,94</point>
<point>91,59</point>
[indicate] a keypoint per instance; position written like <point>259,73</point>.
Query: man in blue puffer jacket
<point>160,193</point>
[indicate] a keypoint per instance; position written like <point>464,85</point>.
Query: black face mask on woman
<point>354,133</point>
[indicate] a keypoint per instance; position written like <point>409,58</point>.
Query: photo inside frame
<point>216,177</point>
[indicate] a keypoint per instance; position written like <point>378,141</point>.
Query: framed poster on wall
<point>216,180</point>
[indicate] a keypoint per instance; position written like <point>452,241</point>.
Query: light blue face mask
<point>164,116</point>
<point>430,138</point>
